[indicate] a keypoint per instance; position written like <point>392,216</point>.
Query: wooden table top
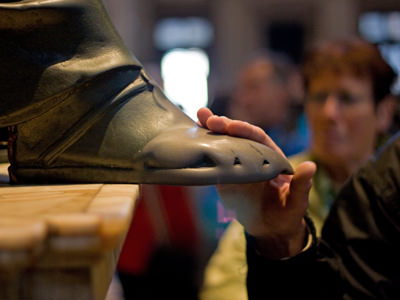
<point>61,241</point>
<point>73,217</point>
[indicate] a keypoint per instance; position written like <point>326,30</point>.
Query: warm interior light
<point>185,73</point>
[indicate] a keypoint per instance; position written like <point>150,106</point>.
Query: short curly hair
<point>355,57</point>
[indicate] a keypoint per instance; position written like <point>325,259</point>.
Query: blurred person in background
<point>349,108</point>
<point>268,93</point>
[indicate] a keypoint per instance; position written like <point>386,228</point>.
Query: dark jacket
<point>358,256</point>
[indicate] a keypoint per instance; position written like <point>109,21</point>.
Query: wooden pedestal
<point>61,242</point>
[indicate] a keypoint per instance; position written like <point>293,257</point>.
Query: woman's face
<point>342,118</point>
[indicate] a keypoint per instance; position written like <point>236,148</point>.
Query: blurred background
<point>200,44</point>
<point>194,49</point>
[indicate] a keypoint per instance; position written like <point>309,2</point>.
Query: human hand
<point>271,211</point>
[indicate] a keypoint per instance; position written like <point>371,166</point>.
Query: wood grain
<point>61,241</point>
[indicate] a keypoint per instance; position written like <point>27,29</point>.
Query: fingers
<point>215,123</point>
<point>301,184</point>
<point>218,124</point>
<point>203,114</point>
<point>280,180</point>
<point>236,128</point>
<point>210,121</point>
<point>251,132</point>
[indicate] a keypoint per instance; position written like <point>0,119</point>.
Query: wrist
<point>283,246</point>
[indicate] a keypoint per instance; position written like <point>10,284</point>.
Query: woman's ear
<point>385,112</point>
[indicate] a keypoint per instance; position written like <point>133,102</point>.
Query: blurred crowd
<point>332,109</point>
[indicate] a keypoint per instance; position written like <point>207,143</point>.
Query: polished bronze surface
<point>82,109</point>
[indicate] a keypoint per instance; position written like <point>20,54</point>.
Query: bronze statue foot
<point>138,137</point>
<point>82,109</point>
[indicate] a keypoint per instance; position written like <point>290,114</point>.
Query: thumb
<point>301,184</point>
